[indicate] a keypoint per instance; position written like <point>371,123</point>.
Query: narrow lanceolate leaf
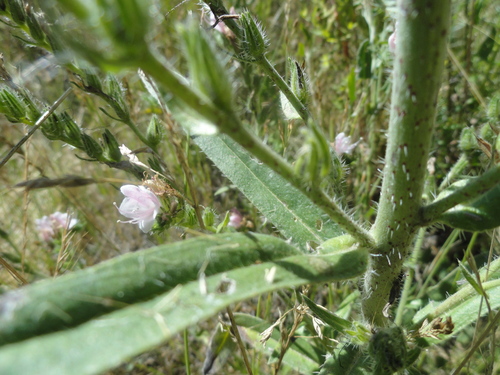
<point>286,207</point>
<point>463,306</point>
<point>104,343</point>
<point>69,300</point>
<point>328,317</point>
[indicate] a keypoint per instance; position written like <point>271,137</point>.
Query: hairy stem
<point>229,123</point>
<point>420,49</point>
<point>472,190</point>
<point>284,88</point>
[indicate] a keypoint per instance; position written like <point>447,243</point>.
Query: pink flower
<point>141,205</point>
<point>235,219</point>
<point>48,225</point>
<point>392,40</point>
<point>343,144</point>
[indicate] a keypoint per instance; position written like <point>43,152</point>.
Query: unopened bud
<point>254,41</point>
<point>115,90</point>
<point>71,130</point>
<point>33,24</point>
<point>154,133</point>
<point>91,147</point>
<point>111,150</point>
<point>468,140</point>
<point>52,128</point>
<point>92,81</point>
<point>189,217</point>
<point>12,106</point>
<point>17,11</point>
<point>208,217</point>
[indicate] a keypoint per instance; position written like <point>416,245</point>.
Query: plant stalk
<point>421,38</point>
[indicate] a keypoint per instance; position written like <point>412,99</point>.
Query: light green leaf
<point>470,278</point>
<point>287,208</point>
<point>328,317</point>
<point>108,341</point>
<point>477,215</point>
<point>71,299</point>
<point>463,306</point>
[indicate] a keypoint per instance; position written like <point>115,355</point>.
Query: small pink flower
<point>343,144</point>
<point>48,225</point>
<point>392,40</point>
<point>235,219</point>
<point>141,205</point>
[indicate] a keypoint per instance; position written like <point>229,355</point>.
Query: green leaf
<point>463,306</point>
<point>470,278</point>
<point>286,207</point>
<point>487,45</point>
<point>364,61</point>
<point>104,343</point>
<point>69,300</point>
<point>477,215</point>
<point>328,317</point>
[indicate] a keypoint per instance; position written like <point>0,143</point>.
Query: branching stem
<point>473,189</point>
<point>421,37</point>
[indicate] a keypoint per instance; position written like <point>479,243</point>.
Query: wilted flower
<point>47,226</point>
<point>125,151</point>
<point>141,205</point>
<point>343,144</point>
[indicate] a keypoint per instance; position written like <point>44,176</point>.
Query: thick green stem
<point>420,49</point>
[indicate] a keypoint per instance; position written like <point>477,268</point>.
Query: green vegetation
<point>277,188</point>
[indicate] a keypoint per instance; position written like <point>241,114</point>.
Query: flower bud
<point>11,105</point>
<point>56,43</point>
<point>52,128</point>
<point>17,11</point>
<point>468,140</point>
<point>388,349</point>
<point>32,110</point>
<point>115,90</point>
<point>33,24</point>
<point>208,217</point>
<point>190,219</point>
<point>111,150</point>
<point>91,81</point>
<point>71,130</point>
<point>91,147</point>
<point>254,40</point>
<point>154,133</point>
